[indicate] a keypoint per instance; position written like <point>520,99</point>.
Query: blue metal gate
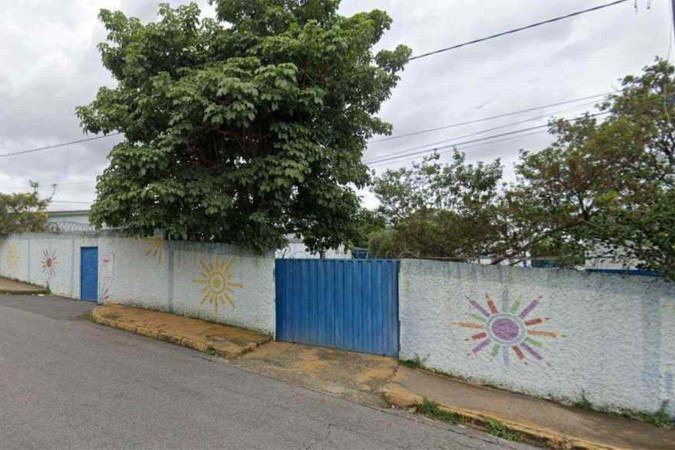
<point>346,304</point>
<point>89,273</point>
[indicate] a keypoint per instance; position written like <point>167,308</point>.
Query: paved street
<point>66,382</point>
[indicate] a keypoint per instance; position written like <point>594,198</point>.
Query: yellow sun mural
<point>155,248</point>
<point>217,282</point>
<point>12,258</point>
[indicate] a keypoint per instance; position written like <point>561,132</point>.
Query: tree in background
<point>243,128</point>
<point>602,189</point>
<point>23,213</point>
<point>437,210</point>
<point>609,185</point>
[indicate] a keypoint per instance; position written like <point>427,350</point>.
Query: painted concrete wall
<point>550,333</point>
<point>215,282</point>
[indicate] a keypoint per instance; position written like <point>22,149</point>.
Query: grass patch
<point>583,403</point>
<point>498,429</point>
<point>87,316</point>
<point>211,352</point>
<point>658,418</point>
<point>432,410</point>
<point>415,363</point>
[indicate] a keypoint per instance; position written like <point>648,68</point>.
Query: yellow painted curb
<point>401,397</point>
<point>225,350</point>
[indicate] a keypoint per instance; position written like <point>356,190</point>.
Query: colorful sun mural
<point>49,262</point>
<point>12,258</point>
<point>155,248</point>
<point>107,272</point>
<point>217,282</point>
<point>507,331</point>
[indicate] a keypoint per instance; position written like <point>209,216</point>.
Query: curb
<point>403,398</point>
<point>199,345</point>
<point>20,292</point>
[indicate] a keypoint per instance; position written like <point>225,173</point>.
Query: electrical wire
<point>464,147</point>
<point>64,144</point>
<point>428,150</point>
<point>515,30</point>
<point>454,125</point>
<point>508,125</point>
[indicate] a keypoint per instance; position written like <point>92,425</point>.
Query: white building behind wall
<point>78,220</point>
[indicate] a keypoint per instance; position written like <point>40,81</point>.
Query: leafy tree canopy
<point>603,188</point>
<point>438,210</point>
<point>245,127</point>
<point>23,213</point>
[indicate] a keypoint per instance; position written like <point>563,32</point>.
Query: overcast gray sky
<point>49,64</point>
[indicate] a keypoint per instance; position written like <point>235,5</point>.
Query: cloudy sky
<point>49,64</point>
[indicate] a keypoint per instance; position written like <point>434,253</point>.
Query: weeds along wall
<point>564,335</point>
<point>216,282</point>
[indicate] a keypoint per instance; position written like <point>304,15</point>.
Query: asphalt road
<point>67,382</point>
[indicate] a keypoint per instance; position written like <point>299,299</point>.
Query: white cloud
<point>49,64</point>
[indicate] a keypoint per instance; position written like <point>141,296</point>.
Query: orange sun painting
<point>155,248</point>
<point>217,282</point>
<point>12,258</point>
<point>507,331</point>
<point>49,262</point>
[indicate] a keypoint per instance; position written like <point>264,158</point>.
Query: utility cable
<point>515,30</point>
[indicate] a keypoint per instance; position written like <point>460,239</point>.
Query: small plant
<point>584,403</point>
<point>211,352</point>
<point>496,428</point>
<point>432,410</point>
<point>87,316</point>
<point>660,418</point>
<point>416,363</point>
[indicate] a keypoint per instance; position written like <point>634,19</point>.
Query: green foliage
<point>660,418</point>
<point>583,403</point>
<point>602,189</point>
<point>434,210</point>
<point>416,363</point>
<point>433,410</point>
<point>366,223</point>
<point>23,213</point>
<point>243,128</point>
<point>498,429</point>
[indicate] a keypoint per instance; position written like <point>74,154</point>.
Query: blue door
<point>346,304</point>
<point>89,274</point>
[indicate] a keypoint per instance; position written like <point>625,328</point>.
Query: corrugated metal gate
<point>345,304</point>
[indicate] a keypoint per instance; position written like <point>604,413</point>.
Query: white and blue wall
<point>564,335</point>
<point>215,282</point>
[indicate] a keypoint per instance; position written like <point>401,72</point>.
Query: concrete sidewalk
<point>229,342</point>
<point>16,287</point>
<point>379,381</point>
<point>541,420</point>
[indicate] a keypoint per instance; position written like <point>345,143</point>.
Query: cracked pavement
<point>67,382</point>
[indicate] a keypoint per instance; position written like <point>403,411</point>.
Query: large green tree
<point>242,128</point>
<point>23,212</point>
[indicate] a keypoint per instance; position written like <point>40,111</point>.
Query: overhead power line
<point>464,147</point>
<point>64,144</point>
<point>483,119</point>
<point>408,152</point>
<point>515,30</point>
<point>487,130</point>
